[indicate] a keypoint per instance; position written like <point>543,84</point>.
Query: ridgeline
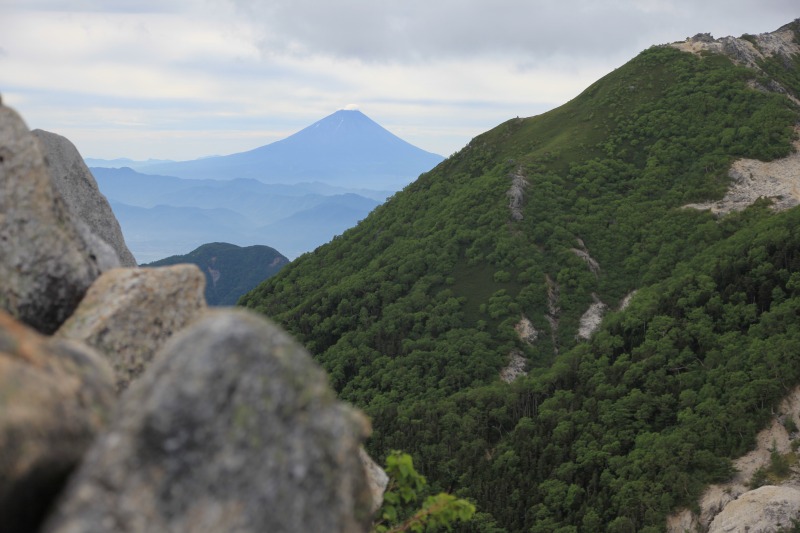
<point>544,225</point>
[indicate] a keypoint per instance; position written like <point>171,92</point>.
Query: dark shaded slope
<point>413,311</point>
<point>230,270</point>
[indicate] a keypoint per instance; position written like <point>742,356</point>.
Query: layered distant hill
<point>122,162</point>
<point>346,148</point>
<point>162,216</point>
<point>230,270</point>
<point>294,195</point>
<point>636,251</point>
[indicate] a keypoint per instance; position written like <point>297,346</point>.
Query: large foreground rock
<point>232,428</point>
<point>129,313</point>
<point>55,395</point>
<point>77,186</point>
<point>46,264</point>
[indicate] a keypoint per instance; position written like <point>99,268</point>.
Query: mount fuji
<point>345,149</point>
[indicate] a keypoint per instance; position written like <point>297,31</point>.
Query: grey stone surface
<point>55,396</point>
<point>377,478</point>
<point>46,264</point>
<point>129,313</point>
<point>763,510</point>
<point>77,186</point>
<point>232,428</point>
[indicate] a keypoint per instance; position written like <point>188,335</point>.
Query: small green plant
<point>779,464</point>
<point>759,479</point>
<point>790,425</point>
<point>405,489</point>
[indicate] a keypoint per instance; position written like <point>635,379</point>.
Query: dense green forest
<point>412,312</point>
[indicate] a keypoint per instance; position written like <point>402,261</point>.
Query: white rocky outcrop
<point>515,367</point>
<point>718,498</point>
<point>591,319</point>
<point>763,510</point>
<point>525,330</point>
<point>516,194</point>
<point>778,180</point>
<point>749,51</point>
<point>626,300</point>
<point>583,253</point>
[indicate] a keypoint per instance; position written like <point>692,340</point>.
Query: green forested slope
<point>412,312</point>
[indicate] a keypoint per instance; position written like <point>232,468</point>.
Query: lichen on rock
<point>55,396</point>
<point>46,262</point>
<point>232,428</point>
<point>129,313</point>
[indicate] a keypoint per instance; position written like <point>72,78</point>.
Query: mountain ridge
<point>413,311</point>
<point>230,270</point>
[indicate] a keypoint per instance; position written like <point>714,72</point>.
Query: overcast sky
<point>181,79</point>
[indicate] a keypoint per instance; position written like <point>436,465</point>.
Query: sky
<point>182,79</point>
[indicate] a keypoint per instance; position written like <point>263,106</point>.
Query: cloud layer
<point>421,30</point>
<point>187,78</point>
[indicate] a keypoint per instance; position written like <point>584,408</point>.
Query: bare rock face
<point>526,331</point>
<point>516,194</point>
<point>778,180</point>
<point>55,396</point>
<point>762,510</point>
<point>129,313</point>
<point>515,367</point>
<point>46,264</point>
<point>77,186</point>
<point>377,479</point>
<point>232,428</point>
<point>750,50</point>
<point>716,498</point>
<point>591,319</point>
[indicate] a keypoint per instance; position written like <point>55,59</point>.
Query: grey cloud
<point>117,6</point>
<point>420,30</point>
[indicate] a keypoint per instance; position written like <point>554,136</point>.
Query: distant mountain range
<point>162,216</point>
<point>230,270</point>
<point>122,162</point>
<point>294,195</point>
<point>346,148</point>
